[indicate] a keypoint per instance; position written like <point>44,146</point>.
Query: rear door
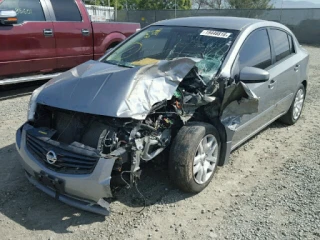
<point>73,33</point>
<point>29,46</point>
<point>285,70</point>
<point>256,52</point>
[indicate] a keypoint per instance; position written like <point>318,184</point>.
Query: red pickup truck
<point>41,38</point>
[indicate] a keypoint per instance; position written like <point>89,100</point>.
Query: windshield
<point>156,43</point>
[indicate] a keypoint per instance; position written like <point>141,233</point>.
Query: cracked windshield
<point>207,46</point>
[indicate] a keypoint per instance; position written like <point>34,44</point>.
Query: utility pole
<point>281,11</point>
<point>175,8</point>
<point>115,10</point>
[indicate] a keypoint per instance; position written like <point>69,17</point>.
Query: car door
<point>256,52</point>
<point>73,33</point>
<point>285,70</point>
<point>28,46</point>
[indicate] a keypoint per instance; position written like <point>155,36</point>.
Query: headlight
<point>33,104</point>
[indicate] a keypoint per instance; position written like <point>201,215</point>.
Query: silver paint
<point>109,90</point>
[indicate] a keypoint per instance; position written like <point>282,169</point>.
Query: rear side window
<point>281,44</point>
<point>66,11</point>
<point>27,10</point>
<point>256,51</point>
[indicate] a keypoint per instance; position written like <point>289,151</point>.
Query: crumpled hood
<point>109,90</point>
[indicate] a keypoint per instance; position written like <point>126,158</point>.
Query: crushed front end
<point>78,157</point>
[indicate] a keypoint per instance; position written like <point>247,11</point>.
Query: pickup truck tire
<point>295,110</point>
<point>194,156</point>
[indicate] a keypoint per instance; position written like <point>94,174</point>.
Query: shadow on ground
<point>18,90</point>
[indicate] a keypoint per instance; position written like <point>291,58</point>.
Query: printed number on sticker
<point>218,34</point>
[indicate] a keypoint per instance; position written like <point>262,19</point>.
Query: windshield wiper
<point>120,64</point>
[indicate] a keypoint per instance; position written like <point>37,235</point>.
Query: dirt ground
<point>270,190</point>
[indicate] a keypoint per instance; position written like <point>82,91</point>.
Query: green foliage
<point>143,4</point>
<point>165,4</point>
<point>209,4</point>
<point>250,4</point>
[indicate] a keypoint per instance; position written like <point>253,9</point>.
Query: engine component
<point>154,145</point>
<point>107,141</point>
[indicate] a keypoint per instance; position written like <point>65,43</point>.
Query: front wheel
<point>194,157</point>
<point>294,113</point>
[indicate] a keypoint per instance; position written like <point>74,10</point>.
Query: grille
<point>67,161</point>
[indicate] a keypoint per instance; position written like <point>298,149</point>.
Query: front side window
<point>27,10</point>
<point>256,51</point>
<point>66,11</point>
<point>208,46</point>
<point>281,44</point>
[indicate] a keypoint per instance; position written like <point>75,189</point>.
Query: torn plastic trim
<point>238,100</point>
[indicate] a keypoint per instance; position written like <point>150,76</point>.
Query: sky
<point>312,1</point>
<point>297,3</point>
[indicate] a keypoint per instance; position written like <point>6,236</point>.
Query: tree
<point>250,4</point>
<point>144,4</point>
<point>120,4</point>
<point>215,4</point>
<point>164,4</point>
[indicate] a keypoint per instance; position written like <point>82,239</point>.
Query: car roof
<point>232,23</point>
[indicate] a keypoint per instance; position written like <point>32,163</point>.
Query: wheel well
<point>304,83</point>
<point>222,134</point>
<point>112,45</point>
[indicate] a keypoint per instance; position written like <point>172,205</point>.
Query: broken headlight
<point>33,104</point>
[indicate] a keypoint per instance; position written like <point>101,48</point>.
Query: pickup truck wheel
<point>194,157</point>
<point>294,113</point>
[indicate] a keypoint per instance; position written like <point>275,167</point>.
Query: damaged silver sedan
<point>197,87</point>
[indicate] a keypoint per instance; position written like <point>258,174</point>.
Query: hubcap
<point>205,159</point>
<point>298,104</point>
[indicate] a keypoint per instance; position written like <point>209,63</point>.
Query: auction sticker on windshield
<point>218,34</point>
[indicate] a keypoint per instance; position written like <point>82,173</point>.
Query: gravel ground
<point>270,190</point>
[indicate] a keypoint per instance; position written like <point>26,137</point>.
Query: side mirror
<point>253,75</point>
<point>8,17</point>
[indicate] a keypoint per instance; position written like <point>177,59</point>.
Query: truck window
<point>66,11</point>
<point>27,10</point>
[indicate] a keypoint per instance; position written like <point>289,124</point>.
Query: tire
<point>291,117</point>
<point>186,149</point>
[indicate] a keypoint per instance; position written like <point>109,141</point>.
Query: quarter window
<point>66,11</point>
<point>291,44</point>
<point>256,51</point>
<point>281,44</point>
<point>27,10</point>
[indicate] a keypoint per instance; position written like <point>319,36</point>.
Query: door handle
<point>48,32</point>
<point>272,83</point>
<point>296,68</point>
<point>85,32</point>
